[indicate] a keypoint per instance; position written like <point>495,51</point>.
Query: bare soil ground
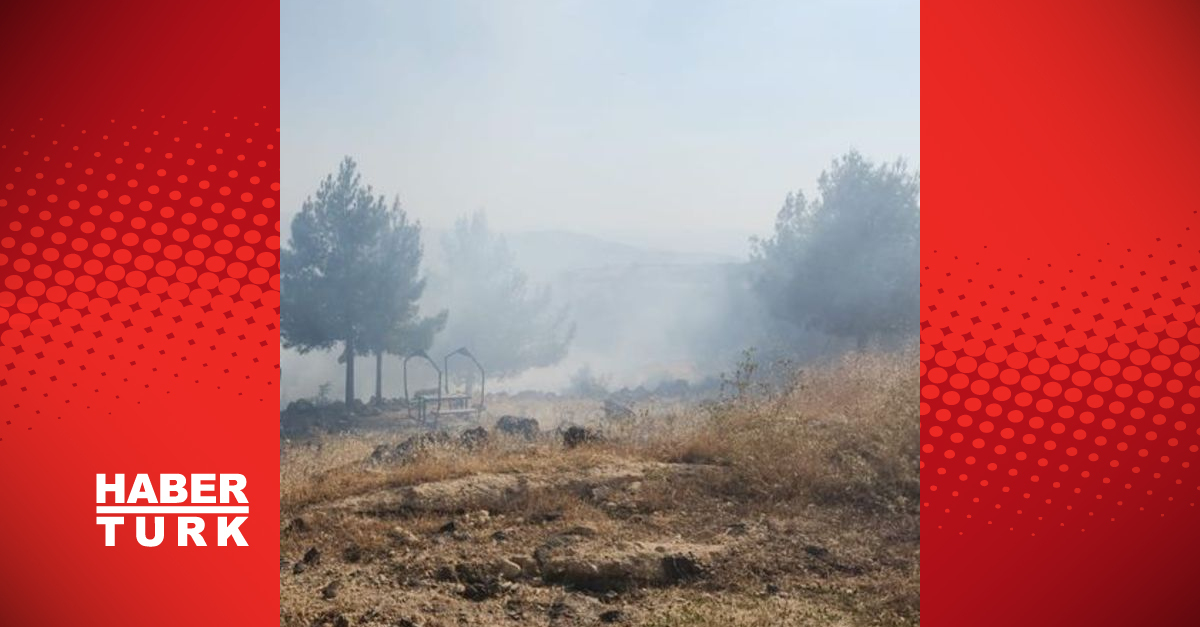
<point>797,508</point>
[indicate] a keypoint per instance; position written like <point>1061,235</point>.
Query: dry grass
<point>709,611</point>
<point>334,468</point>
<point>846,434</point>
<point>809,489</point>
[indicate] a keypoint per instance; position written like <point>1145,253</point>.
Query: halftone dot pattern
<point>1060,397</point>
<point>138,255</point>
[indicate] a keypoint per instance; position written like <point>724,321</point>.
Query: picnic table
<point>432,406</point>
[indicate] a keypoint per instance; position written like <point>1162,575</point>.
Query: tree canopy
<point>351,276</point>
<point>507,323</point>
<point>845,262</point>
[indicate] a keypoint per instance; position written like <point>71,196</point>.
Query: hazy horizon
<point>595,117</point>
<point>676,128</point>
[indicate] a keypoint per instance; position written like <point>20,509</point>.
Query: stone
<point>482,590</point>
<point>508,569</point>
<point>407,450</point>
<point>474,438</point>
<point>403,537</point>
<point>606,570</point>
<point>311,556</point>
<point>477,517</point>
<point>575,436</point>
<point>518,426</point>
<point>529,566</point>
<point>818,552</point>
<point>585,531</point>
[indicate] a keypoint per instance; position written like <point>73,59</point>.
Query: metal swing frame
<point>426,408</point>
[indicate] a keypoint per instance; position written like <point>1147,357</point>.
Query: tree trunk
<point>349,355</point>
<point>378,377</point>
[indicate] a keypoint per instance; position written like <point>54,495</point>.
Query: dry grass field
<point>792,506</point>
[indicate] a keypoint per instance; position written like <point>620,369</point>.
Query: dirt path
<point>624,542</point>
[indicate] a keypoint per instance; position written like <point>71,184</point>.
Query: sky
<point>677,124</point>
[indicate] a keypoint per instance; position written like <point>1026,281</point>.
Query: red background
<point>1062,137</point>
<point>160,122</point>
<point>1059,245</point>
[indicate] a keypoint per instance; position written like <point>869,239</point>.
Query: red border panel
<point>139,242</point>
<point>1060,285</point>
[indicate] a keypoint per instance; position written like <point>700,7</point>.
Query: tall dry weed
<point>841,433</point>
<point>844,433</point>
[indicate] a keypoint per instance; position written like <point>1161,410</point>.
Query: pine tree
<point>396,329</point>
<point>349,272</point>
<point>846,263</point>
<point>507,323</point>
